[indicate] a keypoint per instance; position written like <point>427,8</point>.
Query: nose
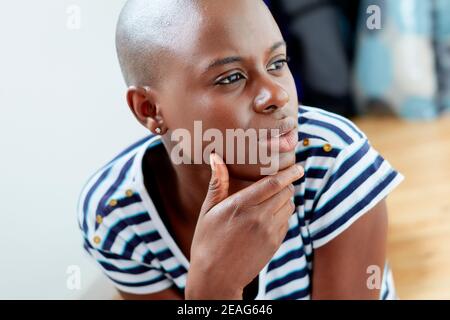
<point>271,97</point>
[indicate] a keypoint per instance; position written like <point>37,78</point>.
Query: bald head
<point>222,62</point>
<point>147,32</point>
<point>157,38</point>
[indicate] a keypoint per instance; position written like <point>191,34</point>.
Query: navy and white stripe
<point>130,243</point>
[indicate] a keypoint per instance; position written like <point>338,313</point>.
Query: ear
<point>143,103</point>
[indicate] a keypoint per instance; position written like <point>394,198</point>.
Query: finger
<point>282,215</point>
<point>274,203</point>
<point>271,185</point>
<point>280,220</point>
<point>218,184</point>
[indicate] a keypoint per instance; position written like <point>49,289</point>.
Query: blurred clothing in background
<point>442,42</point>
<point>396,66</point>
<point>319,35</point>
<point>342,65</point>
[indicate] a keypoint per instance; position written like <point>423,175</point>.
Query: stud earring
<point>158,130</point>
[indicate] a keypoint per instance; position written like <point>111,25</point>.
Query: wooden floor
<point>419,209</point>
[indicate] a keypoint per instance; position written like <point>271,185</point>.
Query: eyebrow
<point>277,45</point>
<point>233,59</point>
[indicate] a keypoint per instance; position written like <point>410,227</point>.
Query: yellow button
<point>129,193</point>
<point>113,203</point>
<point>97,239</point>
<point>99,219</point>
<point>327,147</point>
<point>306,142</point>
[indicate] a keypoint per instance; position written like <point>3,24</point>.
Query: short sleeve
<point>129,275</point>
<point>355,182</point>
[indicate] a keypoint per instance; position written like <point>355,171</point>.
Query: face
<point>231,73</point>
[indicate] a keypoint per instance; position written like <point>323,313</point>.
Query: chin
<point>287,159</point>
<point>255,172</point>
<point>283,161</point>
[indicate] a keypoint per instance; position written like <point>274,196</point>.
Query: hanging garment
<point>442,41</point>
<point>320,57</point>
<point>395,64</point>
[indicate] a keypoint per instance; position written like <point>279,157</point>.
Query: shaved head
<point>147,32</point>
<point>221,62</point>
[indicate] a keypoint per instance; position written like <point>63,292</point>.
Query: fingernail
<point>300,169</point>
<point>212,161</point>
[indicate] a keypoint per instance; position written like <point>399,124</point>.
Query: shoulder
<point>109,197</point>
<point>344,175</point>
<point>328,127</point>
<point>324,137</point>
<point>118,232</point>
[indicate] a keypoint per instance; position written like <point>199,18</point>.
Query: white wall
<point>63,115</point>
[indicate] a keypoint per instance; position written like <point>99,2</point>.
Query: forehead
<point>232,27</point>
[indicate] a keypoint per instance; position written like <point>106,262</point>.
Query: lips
<point>288,141</point>
<point>284,127</point>
<point>283,136</point>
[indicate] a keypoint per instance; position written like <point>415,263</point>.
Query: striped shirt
<point>344,178</point>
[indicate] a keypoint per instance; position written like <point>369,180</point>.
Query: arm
<point>340,266</point>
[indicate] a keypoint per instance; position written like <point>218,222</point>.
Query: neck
<point>192,186</point>
<point>189,184</point>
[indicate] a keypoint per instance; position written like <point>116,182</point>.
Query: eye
<point>279,64</point>
<point>231,79</point>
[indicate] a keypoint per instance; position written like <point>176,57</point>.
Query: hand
<point>237,235</point>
